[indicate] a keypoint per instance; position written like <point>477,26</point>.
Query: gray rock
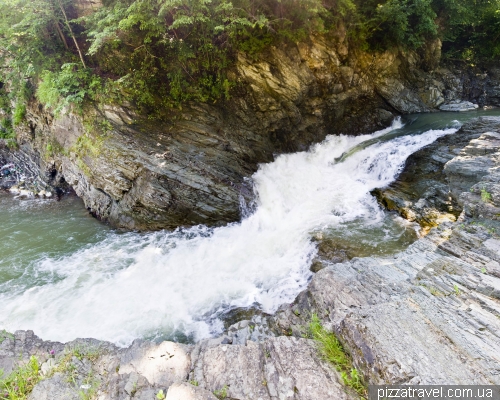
<point>422,317</point>
<point>459,106</point>
<point>186,391</point>
<point>161,364</point>
<point>55,388</point>
<point>428,190</point>
<point>277,368</point>
<point>191,169</point>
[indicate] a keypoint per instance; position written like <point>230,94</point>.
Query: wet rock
<point>428,189</point>
<point>474,162</point>
<point>255,330</point>
<point>459,106</point>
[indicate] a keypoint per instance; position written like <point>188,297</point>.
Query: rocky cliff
<point>194,168</point>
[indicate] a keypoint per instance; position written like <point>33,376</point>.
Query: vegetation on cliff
<point>159,54</point>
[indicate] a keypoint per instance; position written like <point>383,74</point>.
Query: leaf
<point>160,395</point>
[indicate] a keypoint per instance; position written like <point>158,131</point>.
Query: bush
<point>19,114</point>
<point>70,87</point>
<point>161,54</point>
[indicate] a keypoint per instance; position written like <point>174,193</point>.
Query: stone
<point>161,364</point>
<point>459,106</point>
<point>428,189</point>
<point>186,391</point>
<point>193,169</point>
<point>55,388</point>
<point>277,368</point>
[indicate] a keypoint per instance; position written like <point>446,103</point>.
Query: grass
<point>5,335</point>
<point>69,369</point>
<point>160,395</point>
<point>434,291</point>
<point>332,351</point>
<point>20,383</point>
<point>221,394</point>
<point>485,196</point>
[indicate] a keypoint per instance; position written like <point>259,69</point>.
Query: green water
<point>34,230</point>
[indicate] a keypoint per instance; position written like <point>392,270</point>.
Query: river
<point>65,275</point>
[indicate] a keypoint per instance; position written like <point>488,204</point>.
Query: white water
<point>133,285</point>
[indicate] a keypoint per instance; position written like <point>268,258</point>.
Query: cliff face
<point>193,169</point>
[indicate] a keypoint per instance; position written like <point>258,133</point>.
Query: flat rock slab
<point>459,106</point>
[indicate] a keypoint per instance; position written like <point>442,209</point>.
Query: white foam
<point>133,285</point>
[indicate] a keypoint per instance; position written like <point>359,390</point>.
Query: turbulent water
<point>64,275</point>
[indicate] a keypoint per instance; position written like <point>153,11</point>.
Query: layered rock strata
<point>194,168</point>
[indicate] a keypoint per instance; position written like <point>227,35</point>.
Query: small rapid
<point>121,286</point>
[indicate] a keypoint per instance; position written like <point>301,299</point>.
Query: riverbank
<point>428,315</point>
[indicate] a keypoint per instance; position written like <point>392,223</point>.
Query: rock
<point>47,367</point>
<point>425,316</point>
<point>192,168</point>
<point>428,189</point>
<point>25,194</point>
<point>459,106</point>
<point>161,364</point>
<point>475,160</point>
<point>255,330</point>
<point>400,97</point>
<point>428,315</point>
<point>186,391</point>
<point>54,388</point>
<point>283,367</point>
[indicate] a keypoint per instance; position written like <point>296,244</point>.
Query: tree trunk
<point>61,35</point>
<point>71,32</point>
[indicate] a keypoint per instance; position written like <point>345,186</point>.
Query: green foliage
<point>332,351</point>
<point>19,384</point>
<point>469,29</point>
<point>71,86</point>
<point>160,54</point>
<point>485,195</point>
<point>6,129</point>
<point>160,395</point>
<point>221,394</point>
<point>19,114</point>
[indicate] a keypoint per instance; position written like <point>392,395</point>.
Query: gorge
<point>196,247</point>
